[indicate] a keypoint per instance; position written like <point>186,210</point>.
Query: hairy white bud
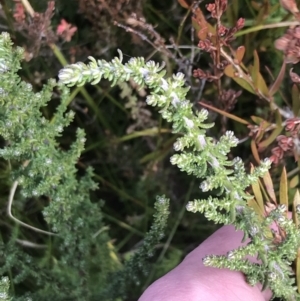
<point>230,136</point>
<point>164,84</point>
<point>230,255</point>
<point>175,99</point>
<point>203,113</point>
<point>189,123</point>
<point>202,142</point>
<point>190,206</point>
<point>178,145</point>
<point>214,162</point>
<point>282,208</point>
<point>207,260</point>
<point>204,186</point>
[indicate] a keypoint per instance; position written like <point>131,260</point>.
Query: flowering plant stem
<point>201,156</point>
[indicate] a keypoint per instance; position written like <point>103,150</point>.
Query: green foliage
<point>4,287</point>
<point>51,187</point>
<point>121,280</point>
<point>204,158</point>
<point>79,261</point>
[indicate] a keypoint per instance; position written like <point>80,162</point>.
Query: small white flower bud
<point>230,255</point>
<point>189,123</point>
<point>202,142</point>
<point>237,160</point>
<point>175,99</point>
<point>65,74</point>
<point>161,200</point>
<point>204,186</point>
<point>267,161</point>
<point>231,137</point>
<point>178,145</point>
<point>3,66</point>
<point>164,84</point>
<point>282,208</point>
<point>176,159</point>
<point>214,162</point>
<point>253,230</point>
<point>272,276</point>
<point>190,206</point>
<point>281,220</point>
<point>203,113</point>
<point>206,260</point>
<point>178,76</point>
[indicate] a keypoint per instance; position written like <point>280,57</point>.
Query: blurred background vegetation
<point>128,144</point>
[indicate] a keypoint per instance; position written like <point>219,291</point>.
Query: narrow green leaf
<point>231,116</point>
<point>278,118</point>
<point>254,205</point>
<point>255,151</point>
<point>230,72</point>
<point>263,190</point>
<point>296,202</point>
<point>283,190</point>
<point>240,52</point>
<point>260,121</point>
<point>183,3</point>
<point>255,69</point>
<point>259,82</point>
<point>271,138</point>
<point>258,195</point>
<point>235,7</point>
<point>269,187</point>
<point>294,182</point>
<point>276,85</point>
<point>296,100</point>
<point>148,132</point>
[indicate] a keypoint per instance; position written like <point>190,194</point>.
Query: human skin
<point>192,281</point>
